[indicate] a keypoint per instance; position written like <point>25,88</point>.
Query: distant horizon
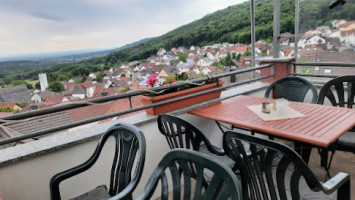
<point>48,54</point>
<point>40,27</point>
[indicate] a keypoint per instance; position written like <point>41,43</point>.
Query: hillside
<point>37,62</point>
<point>228,25</point>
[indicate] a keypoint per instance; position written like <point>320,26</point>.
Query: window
<point>316,68</point>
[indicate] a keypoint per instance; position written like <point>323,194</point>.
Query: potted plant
<point>150,98</point>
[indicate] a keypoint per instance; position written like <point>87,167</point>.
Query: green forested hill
<point>315,13</point>
<point>228,25</point>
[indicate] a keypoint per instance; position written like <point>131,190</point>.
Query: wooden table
<point>322,126</point>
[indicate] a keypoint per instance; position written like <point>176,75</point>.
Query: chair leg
<point>327,167</point>
<point>344,191</point>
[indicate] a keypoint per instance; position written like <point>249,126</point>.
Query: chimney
<point>104,93</point>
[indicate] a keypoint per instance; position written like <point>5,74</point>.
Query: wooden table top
<point>322,126</point>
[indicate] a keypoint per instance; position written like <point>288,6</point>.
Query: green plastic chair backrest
<point>130,143</point>
<point>258,179</point>
<point>291,88</point>
<point>224,184</point>
<point>339,91</point>
<point>182,134</point>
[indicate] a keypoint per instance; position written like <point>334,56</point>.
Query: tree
<point>183,57</point>
<point>21,82</point>
<point>22,103</point>
<point>7,80</point>
<point>263,52</point>
<point>7,109</point>
<point>124,90</point>
<point>172,62</point>
<point>99,77</point>
<point>247,53</point>
<point>63,77</point>
<point>38,85</point>
<point>238,57</point>
<point>56,86</point>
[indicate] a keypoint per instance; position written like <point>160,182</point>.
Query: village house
<point>183,67</point>
<point>205,62</point>
<point>161,52</point>
<point>311,41</point>
<point>207,70</point>
<point>54,99</point>
<point>245,61</point>
<point>164,73</point>
<point>12,105</point>
<point>221,54</point>
<point>237,50</point>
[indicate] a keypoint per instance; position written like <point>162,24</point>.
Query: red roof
<point>87,84</point>
<point>53,99</point>
<point>4,114</point>
<point>221,51</point>
<point>242,48</point>
<point>98,91</point>
<point>287,51</point>
<point>88,112</point>
<point>69,86</point>
<point>124,78</point>
<point>308,35</point>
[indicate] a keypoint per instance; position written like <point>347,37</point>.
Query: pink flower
<point>152,80</point>
<point>173,81</point>
<point>166,83</point>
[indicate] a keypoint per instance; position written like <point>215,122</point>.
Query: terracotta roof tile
<point>87,84</point>
<point>41,123</point>
<point>88,112</point>
<point>53,99</point>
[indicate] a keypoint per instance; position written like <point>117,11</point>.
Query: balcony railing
<point>129,95</point>
<point>321,65</point>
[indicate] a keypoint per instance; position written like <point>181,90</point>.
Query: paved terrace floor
<point>342,162</point>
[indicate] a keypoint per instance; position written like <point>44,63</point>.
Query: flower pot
<point>182,103</point>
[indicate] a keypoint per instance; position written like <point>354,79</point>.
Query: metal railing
<point>321,64</point>
<point>98,101</point>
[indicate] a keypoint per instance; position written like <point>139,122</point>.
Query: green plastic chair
<point>130,143</point>
<point>291,88</point>
<point>224,184</point>
<point>279,172</point>
<point>339,92</point>
<point>181,134</point>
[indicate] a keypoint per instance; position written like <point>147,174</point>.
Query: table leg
<point>323,157</point>
<point>304,150</point>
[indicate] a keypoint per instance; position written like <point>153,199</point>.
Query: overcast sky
<point>43,26</point>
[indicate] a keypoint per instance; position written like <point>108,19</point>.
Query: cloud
<point>48,16</point>
<point>38,26</point>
